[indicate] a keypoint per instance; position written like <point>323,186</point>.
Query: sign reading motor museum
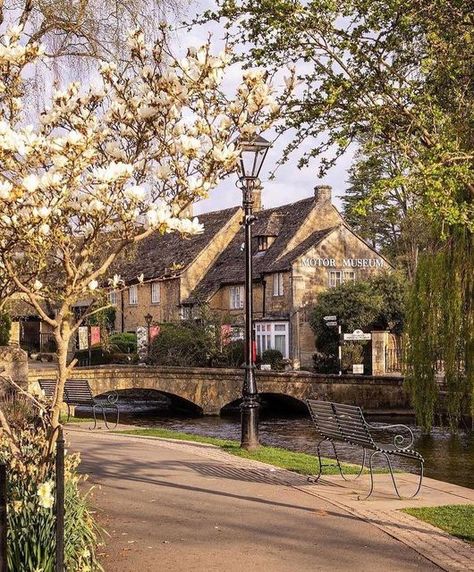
<point>343,263</point>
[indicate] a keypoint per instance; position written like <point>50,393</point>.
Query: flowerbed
<point>31,504</point>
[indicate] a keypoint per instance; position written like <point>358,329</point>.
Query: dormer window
<point>262,243</point>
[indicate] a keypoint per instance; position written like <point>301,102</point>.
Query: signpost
<point>332,322</point>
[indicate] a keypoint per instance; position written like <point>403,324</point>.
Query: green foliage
<point>380,207</point>
<point>396,76</point>
<point>356,305</point>
<point>274,358</point>
<point>232,354</point>
<point>5,327</point>
<point>105,318</point>
<point>186,344</point>
<point>441,330</point>
<point>30,509</point>
<point>125,342</point>
<point>377,303</point>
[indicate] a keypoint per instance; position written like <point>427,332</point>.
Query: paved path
<point>181,507</point>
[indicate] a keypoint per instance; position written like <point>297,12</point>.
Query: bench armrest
<point>112,398</point>
<point>399,441</point>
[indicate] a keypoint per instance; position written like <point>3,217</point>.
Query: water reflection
<point>447,457</point>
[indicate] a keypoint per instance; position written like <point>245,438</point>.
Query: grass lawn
<point>458,520</point>
<point>63,419</point>
<point>298,462</point>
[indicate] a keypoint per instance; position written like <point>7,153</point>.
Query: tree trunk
<point>63,337</point>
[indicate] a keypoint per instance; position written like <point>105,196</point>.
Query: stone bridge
<point>207,390</point>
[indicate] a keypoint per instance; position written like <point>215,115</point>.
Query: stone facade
<point>299,250</point>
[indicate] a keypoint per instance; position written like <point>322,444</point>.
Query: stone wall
<point>212,389</point>
<point>14,363</point>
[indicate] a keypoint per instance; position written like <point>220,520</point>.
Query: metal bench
<point>339,423</point>
<point>78,392</point>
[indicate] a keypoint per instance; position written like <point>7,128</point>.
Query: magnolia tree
<point>107,166</point>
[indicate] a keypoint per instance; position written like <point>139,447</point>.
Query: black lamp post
<point>148,320</point>
<point>253,153</point>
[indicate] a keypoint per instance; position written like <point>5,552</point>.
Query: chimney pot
<point>257,199</point>
<point>323,193</point>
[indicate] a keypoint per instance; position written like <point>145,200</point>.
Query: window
<point>337,277</point>
<point>155,292</point>
<point>349,276</point>
<point>278,284</point>
<point>262,243</point>
<point>272,335</point>
<point>133,295</point>
<point>186,312</point>
<point>113,297</point>
<point>236,297</point>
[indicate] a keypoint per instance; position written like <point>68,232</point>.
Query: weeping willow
<point>440,330</point>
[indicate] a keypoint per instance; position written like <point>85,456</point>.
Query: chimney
<point>323,194</point>
<point>257,199</point>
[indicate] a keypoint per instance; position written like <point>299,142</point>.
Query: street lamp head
<point>148,319</point>
<point>252,156</point>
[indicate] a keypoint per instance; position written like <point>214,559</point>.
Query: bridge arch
<point>177,402</point>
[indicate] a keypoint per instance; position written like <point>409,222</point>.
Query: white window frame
<point>113,297</point>
<point>337,277</point>
<point>133,295</point>
<point>155,293</point>
<point>278,288</point>
<point>236,297</point>
<point>265,333</point>
<point>334,278</point>
<point>349,276</point>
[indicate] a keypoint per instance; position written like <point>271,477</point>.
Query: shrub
<point>123,343</point>
<point>325,363</point>
<point>274,358</point>
<point>187,344</point>
<point>5,327</point>
<point>96,355</point>
<point>30,508</point>
<point>232,354</point>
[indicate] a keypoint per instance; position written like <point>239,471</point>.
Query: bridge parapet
<point>211,389</point>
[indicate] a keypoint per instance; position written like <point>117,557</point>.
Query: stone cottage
<point>299,250</point>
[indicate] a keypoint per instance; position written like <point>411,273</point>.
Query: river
<point>447,457</point>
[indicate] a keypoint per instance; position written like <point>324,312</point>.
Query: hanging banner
<point>95,335</point>
<point>154,331</point>
<point>226,334</point>
<point>83,337</point>
<point>142,341</point>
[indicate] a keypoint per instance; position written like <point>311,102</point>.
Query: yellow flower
<point>45,494</point>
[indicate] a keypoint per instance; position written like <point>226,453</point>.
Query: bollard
<point>3,518</point>
<point>60,502</point>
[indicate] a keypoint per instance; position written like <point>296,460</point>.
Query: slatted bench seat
<point>78,392</point>
<point>340,423</point>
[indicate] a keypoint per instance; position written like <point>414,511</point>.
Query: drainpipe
<point>264,296</point>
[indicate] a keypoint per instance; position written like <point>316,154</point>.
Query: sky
<point>290,183</point>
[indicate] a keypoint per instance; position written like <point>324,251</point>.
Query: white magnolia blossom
<point>102,168</point>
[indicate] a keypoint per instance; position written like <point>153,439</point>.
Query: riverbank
<point>193,507</point>
<point>301,463</point>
